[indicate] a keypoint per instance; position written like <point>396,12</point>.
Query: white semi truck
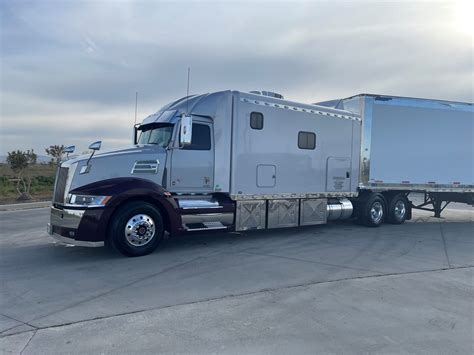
<point>239,161</point>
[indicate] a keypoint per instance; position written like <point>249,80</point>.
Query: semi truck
<point>238,161</point>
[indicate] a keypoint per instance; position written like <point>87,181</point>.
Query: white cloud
<point>70,69</point>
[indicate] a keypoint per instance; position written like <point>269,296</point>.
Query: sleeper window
<point>256,120</point>
<point>306,140</point>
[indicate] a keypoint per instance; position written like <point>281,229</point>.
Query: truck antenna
<point>136,104</point>
<point>187,91</point>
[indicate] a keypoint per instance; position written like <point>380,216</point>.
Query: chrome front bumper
<point>69,219</point>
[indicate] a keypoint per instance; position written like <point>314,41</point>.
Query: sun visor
<point>160,117</point>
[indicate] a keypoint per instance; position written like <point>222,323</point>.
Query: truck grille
<point>60,186</point>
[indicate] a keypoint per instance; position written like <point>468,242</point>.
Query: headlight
<point>87,200</point>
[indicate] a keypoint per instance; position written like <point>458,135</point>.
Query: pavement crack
<point>17,325</point>
<point>275,289</point>
<point>444,244</point>
<point>117,288</point>
<point>309,261</point>
<point>29,341</point>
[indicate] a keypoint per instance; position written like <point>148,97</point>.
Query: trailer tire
<point>372,210</point>
<point>136,229</point>
<point>398,209</point>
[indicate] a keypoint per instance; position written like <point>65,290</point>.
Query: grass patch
<point>42,182</point>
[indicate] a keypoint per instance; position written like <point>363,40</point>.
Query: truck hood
<point>141,161</point>
<point>136,149</point>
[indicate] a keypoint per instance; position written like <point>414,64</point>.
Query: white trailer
<point>231,160</point>
<point>415,145</point>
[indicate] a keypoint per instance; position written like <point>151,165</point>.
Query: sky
<point>70,69</point>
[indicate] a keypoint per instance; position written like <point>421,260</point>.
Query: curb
<point>25,206</point>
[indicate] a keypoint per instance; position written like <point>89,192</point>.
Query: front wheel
<point>136,229</point>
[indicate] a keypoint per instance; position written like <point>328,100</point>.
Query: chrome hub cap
<point>140,230</point>
<point>376,212</point>
<point>400,210</point>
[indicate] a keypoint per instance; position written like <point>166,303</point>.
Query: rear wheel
<point>372,210</point>
<point>136,229</point>
<point>398,209</point>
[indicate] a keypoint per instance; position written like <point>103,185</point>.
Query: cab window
<point>200,138</point>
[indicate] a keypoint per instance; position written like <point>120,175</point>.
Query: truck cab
<point>221,161</point>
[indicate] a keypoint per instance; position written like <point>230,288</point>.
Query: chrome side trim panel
<point>197,203</point>
<point>225,218</point>
<point>313,211</point>
<point>283,213</point>
<point>277,196</point>
<point>250,215</point>
<point>367,108</point>
<point>315,110</point>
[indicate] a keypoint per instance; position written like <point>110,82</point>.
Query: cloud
<point>70,70</point>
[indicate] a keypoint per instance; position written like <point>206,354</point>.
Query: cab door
<point>192,166</point>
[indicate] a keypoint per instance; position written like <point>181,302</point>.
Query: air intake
<point>268,93</point>
<point>145,167</point>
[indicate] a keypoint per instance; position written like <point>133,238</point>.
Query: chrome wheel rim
<point>376,212</point>
<point>140,230</point>
<point>399,210</point>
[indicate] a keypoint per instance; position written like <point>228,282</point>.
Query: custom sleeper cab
<point>241,161</point>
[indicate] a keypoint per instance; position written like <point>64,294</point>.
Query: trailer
<point>412,145</point>
<point>240,161</point>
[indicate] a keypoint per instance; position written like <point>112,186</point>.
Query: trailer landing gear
<point>435,201</point>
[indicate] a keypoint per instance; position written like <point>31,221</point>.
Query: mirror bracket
<point>94,146</point>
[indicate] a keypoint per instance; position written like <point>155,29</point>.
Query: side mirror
<point>69,149</point>
<point>95,145</point>
<point>186,130</point>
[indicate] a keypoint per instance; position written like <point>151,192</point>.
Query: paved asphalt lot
<point>338,288</point>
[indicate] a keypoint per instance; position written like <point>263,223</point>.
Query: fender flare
<point>127,189</point>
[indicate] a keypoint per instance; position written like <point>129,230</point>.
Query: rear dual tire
<point>372,210</point>
<point>375,210</point>
<point>398,209</point>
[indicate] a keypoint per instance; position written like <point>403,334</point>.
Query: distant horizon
<point>70,70</point>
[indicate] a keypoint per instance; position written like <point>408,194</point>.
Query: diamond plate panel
<point>313,211</point>
<point>283,213</point>
<point>250,215</point>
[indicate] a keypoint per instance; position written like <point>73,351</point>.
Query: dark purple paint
<point>93,226</point>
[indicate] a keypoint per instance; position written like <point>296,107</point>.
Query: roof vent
<point>268,93</point>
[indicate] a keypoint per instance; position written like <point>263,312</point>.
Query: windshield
<point>159,134</point>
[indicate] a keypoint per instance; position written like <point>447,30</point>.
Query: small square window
<point>306,140</point>
<point>256,120</point>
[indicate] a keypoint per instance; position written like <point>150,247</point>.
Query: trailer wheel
<point>398,209</point>
<point>372,212</point>
<point>136,229</point>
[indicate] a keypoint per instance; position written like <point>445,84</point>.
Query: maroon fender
<point>94,223</point>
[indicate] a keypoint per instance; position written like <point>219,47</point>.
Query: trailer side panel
<point>419,145</point>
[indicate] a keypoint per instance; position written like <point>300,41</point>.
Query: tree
<point>19,161</point>
<point>56,151</point>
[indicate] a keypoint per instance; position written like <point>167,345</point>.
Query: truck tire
<point>372,210</point>
<point>136,229</point>
<point>398,209</point>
